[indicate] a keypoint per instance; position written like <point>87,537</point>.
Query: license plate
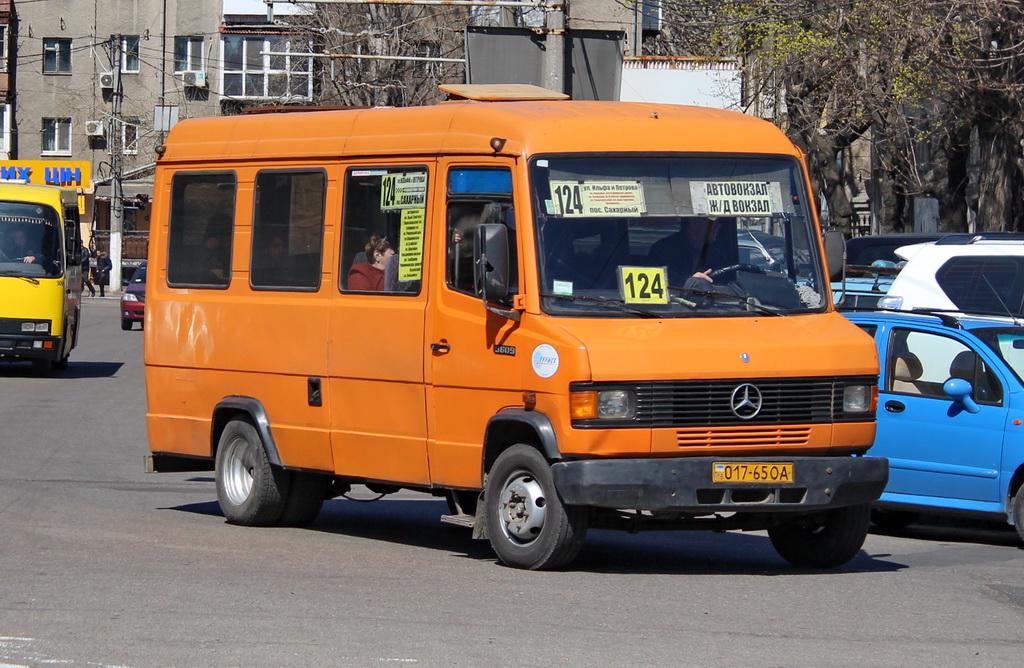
<point>770,472</point>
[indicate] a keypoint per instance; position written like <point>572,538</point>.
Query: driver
<point>18,248</point>
<point>686,253</point>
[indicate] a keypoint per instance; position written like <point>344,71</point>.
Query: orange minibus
<point>556,314</point>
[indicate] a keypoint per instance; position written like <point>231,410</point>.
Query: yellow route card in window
<point>643,285</point>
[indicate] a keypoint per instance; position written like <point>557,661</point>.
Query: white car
<point>971,273</point>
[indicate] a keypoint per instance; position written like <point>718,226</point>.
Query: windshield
<point>140,275</point>
<point>674,236</point>
<point>29,240</point>
<point>1008,343</point>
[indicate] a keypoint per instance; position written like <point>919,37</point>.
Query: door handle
<point>441,347</point>
<point>895,406</point>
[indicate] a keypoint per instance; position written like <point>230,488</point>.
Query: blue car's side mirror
<point>960,390</point>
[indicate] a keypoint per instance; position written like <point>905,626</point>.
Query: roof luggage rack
<point>500,92</point>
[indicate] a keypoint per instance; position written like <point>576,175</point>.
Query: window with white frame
<point>130,135</point>
<point>3,47</point>
<point>5,132</point>
<point>267,66</point>
<point>188,54</point>
<point>56,55</point>
<point>56,136</point>
<point>130,54</point>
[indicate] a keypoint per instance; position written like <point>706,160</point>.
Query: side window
<point>288,230</point>
<point>383,226</point>
<point>200,230</point>
<point>476,196</point>
<point>921,362</point>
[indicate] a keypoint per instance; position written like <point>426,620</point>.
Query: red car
<point>133,301</point>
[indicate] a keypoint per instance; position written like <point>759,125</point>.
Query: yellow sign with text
<point>643,285</point>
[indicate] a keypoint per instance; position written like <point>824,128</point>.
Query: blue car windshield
<point>674,236</point>
<point>1008,343</point>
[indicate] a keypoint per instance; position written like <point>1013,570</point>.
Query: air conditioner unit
<point>106,79</point>
<point>95,128</point>
<point>194,79</point>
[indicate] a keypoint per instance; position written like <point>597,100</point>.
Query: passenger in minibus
<point>369,276</point>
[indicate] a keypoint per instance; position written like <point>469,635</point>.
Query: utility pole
<point>117,187</point>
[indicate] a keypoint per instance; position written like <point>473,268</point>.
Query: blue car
<point>950,415</point>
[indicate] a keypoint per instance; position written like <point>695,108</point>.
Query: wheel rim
<point>238,472</point>
<point>522,508</point>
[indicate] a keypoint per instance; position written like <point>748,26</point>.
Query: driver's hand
<point>28,259</point>
<point>706,275</point>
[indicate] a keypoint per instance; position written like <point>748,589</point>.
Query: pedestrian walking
<point>103,267</point>
<point>86,256</point>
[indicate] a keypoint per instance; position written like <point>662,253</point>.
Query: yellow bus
<point>555,314</point>
<point>40,274</point>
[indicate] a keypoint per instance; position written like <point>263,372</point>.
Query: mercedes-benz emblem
<point>746,401</point>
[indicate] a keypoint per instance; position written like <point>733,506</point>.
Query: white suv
<point>971,273</point>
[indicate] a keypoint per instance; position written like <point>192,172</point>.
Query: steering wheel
<point>733,268</point>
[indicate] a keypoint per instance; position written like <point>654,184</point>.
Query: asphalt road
<point>104,565</point>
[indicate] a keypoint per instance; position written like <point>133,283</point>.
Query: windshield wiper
<point>610,303</point>
<point>749,303</point>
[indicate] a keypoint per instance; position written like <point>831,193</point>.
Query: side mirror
<point>960,390</point>
<point>490,262</point>
<point>835,255</point>
<point>491,267</point>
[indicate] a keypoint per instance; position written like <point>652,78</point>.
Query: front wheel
<point>822,540</point>
<point>126,324</point>
<point>528,525</point>
<point>1017,505</point>
<point>250,490</point>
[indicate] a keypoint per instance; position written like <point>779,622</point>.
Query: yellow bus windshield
<point>29,240</point>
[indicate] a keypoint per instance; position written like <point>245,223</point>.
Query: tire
<point>822,540</point>
<point>1017,504</point>
<point>893,519</point>
<point>126,324</point>
<point>251,492</point>
<point>306,494</point>
<point>62,364</point>
<point>527,523</point>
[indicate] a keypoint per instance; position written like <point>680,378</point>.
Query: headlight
<point>39,327</point>
<point>129,297</point>
<point>859,398</point>
<point>603,405</point>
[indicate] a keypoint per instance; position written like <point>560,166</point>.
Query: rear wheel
<point>822,540</point>
<point>1017,504</point>
<point>528,525</point>
<point>250,490</point>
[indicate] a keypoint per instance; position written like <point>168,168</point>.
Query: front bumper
<point>133,310</point>
<point>685,485</point>
<point>30,346</point>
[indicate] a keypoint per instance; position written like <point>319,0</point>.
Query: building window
<point>3,47</point>
<point>188,54</point>
<point>5,132</point>
<point>56,55</point>
<point>255,67</point>
<point>56,136</point>
<point>130,135</point>
<point>130,54</point>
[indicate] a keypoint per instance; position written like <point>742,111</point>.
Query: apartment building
<point>102,81</point>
